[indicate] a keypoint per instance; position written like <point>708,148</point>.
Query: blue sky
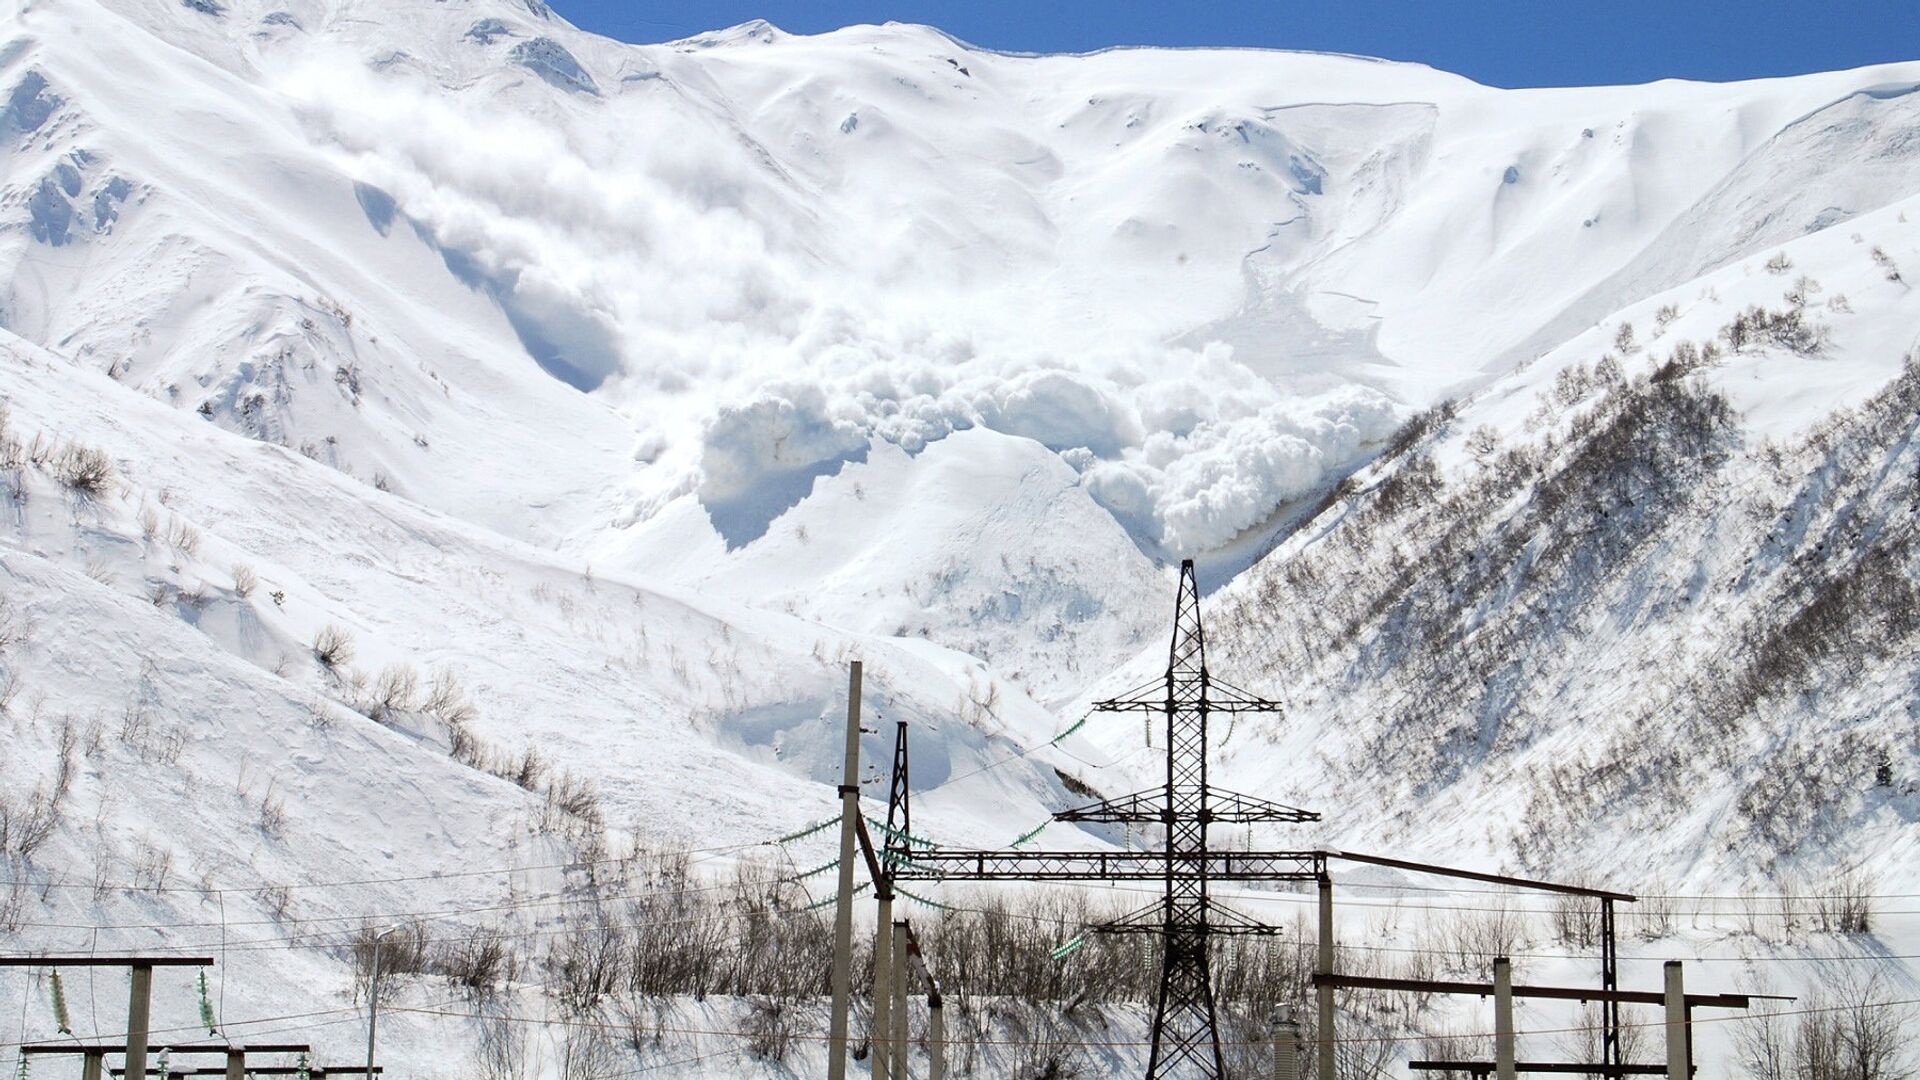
<point>1500,42</point>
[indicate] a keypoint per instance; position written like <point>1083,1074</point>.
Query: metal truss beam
<point>1104,866</point>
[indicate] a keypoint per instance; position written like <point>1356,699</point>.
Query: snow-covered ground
<point>607,399</point>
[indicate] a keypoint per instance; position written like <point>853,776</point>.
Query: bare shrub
<point>576,797</point>
<point>1582,1043</point>
<point>276,899</point>
<point>525,770</point>
<point>405,949</point>
<point>1475,938</point>
<point>586,964</point>
<point>14,628</point>
<point>771,1027</point>
<point>396,690</point>
<point>1845,904</point>
<point>1576,920</point>
<point>1885,262</point>
<point>273,814</point>
<point>501,1052</point>
<point>1657,913</point>
<point>12,455</point>
<point>1417,427</point>
<point>152,866</point>
<point>182,536</point>
<point>333,647</point>
<point>1789,328</point>
<point>587,1052</point>
<point>478,961</point>
<point>465,747</point>
<point>446,700</point>
<point>244,580</point>
<point>85,470</point>
<point>1483,442</point>
<point>1853,1031</point>
<point>27,824</point>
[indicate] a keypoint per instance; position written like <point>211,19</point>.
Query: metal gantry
<point>1185,1037</point>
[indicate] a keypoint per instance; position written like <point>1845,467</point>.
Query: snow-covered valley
<point>449,460</point>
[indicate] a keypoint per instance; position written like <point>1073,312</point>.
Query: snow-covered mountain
<point>606,399</point>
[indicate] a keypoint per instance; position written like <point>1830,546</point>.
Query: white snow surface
<point>642,387</point>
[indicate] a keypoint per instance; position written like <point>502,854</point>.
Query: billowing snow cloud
<point>761,328</point>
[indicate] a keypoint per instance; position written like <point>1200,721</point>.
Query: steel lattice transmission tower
<point>1186,1040</point>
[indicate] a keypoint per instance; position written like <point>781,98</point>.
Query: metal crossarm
<point>1103,866</point>
<point>1488,1068</point>
<point>1152,919</point>
<point>1150,807</point>
<point>1561,993</point>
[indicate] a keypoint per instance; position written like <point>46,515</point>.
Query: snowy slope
<point>638,388</point>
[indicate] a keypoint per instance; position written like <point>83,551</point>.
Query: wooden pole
<point>1504,1055</point>
<point>843,906</point>
<point>1323,1038</point>
<point>1676,1023</point>
<point>139,1007</point>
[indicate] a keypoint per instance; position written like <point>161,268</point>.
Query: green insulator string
<point>1077,725</point>
<point>918,899</point>
<point>206,1006</point>
<point>900,834</point>
<point>1031,833</point>
<point>1071,946</point>
<point>302,1069</point>
<point>59,995</point>
<point>808,831</point>
<point>818,904</point>
<point>20,1070</point>
<point>821,869</point>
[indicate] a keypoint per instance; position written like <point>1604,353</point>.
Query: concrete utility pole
<point>1286,1046</point>
<point>843,906</point>
<point>1677,1055</point>
<point>936,1038</point>
<point>900,1047</point>
<point>882,1055</point>
<point>373,997</point>
<point>139,1007</point>
<point>90,1069</point>
<point>236,1064</point>
<point>1504,1054</point>
<point>1323,1038</point>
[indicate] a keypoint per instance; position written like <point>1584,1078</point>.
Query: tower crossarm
<point>1151,806</point>
<point>1140,807</point>
<point>1217,698</point>
<point>1152,919</point>
<point>1235,808</point>
<point>1103,866</point>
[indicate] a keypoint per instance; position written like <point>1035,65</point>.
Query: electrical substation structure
<point>1185,1039</point>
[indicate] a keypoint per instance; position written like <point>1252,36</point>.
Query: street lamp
<point>373,998</point>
